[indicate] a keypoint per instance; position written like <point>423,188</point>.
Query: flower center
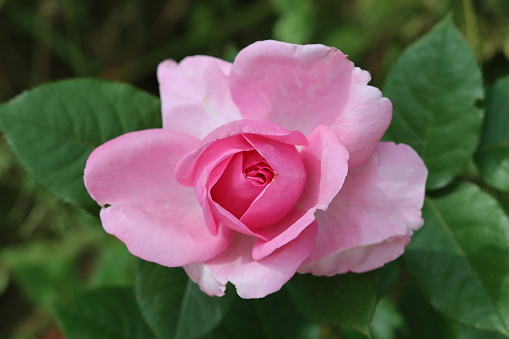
<point>259,174</point>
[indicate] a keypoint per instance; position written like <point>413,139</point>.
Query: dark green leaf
<point>173,305</point>
<point>493,155</point>
<point>347,300</point>
<point>460,258</point>
<point>53,128</point>
<point>434,87</point>
<point>105,313</point>
<point>273,317</point>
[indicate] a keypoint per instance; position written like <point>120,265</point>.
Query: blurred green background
<point>48,250</point>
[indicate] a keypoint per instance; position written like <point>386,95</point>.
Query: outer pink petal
<point>301,87</point>
<point>373,215</point>
<point>253,279</point>
<point>364,119</point>
<point>359,259</point>
<point>195,95</point>
<point>326,163</point>
<point>143,204</point>
<point>298,87</point>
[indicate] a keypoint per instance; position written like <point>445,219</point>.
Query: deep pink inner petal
<point>256,169</point>
<point>285,188</point>
<point>239,186</point>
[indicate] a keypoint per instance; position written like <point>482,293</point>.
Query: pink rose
<point>265,167</point>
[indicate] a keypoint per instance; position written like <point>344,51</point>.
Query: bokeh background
<point>49,250</point>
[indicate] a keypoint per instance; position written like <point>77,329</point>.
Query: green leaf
<point>54,127</point>
<point>104,314</point>
<point>347,300</point>
<point>460,258</point>
<point>434,86</point>
<point>493,155</point>
<point>173,305</point>
<point>272,317</point>
<point>387,321</point>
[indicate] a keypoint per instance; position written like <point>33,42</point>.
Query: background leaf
<point>272,317</point>
<point>53,128</point>
<point>104,313</point>
<point>493,155</point>
<point>347,300</point>
<point>460,258</point>
<point>173,305</point>
<point>434,86</point>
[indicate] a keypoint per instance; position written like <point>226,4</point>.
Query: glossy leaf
<point>104,313</point>
<point>347,300</point>
<point>173,305</point>
<point>54,127</point>
<point>493,155</point>
<point>434,87</point>
<point>460,258</point>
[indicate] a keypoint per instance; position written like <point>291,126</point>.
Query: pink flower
<point>265,167</point>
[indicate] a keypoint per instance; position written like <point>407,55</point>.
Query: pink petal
<point>297,87</point>
<point>143,204</point>
<point>280,195</point>
<point>253,279</point>
<point>301,87</point>
<point>380,203</point>
<point>364,119</point>
<point>233,191</point>
<point>326,163</point>
<point>358,259</point>
<point>186,168</point>
<point>195,95</point>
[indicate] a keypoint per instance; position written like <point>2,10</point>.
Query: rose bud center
<point>257,192</point>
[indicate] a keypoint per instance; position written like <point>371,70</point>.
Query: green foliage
<point>105,313</point>
<point>347,300</point>
<point>460,258</point>
<point>174,306</point>
<point>53,128</point>
<point>434,87</point>
<point>493,155</point>
<point>273,317</point>
<point>297,21</point>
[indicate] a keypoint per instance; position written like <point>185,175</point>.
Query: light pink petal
<point>379,201</point>
<point>195,95</point>
<point>280,195</point>
<point>252,279</point>
<point>297,87</point>
<point>143,204</point>
<point>358,259</point>
<point>364,119</point>
<point>326,163</point>
<point>186,168</point>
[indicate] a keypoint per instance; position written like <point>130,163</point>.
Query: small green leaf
<point>493,155</point>
<point>104,313</point>
<point>460,258</point>
<point>434,87</point>
<point>173,305</point>
<point>54,127</point>
<point>347,300</point>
